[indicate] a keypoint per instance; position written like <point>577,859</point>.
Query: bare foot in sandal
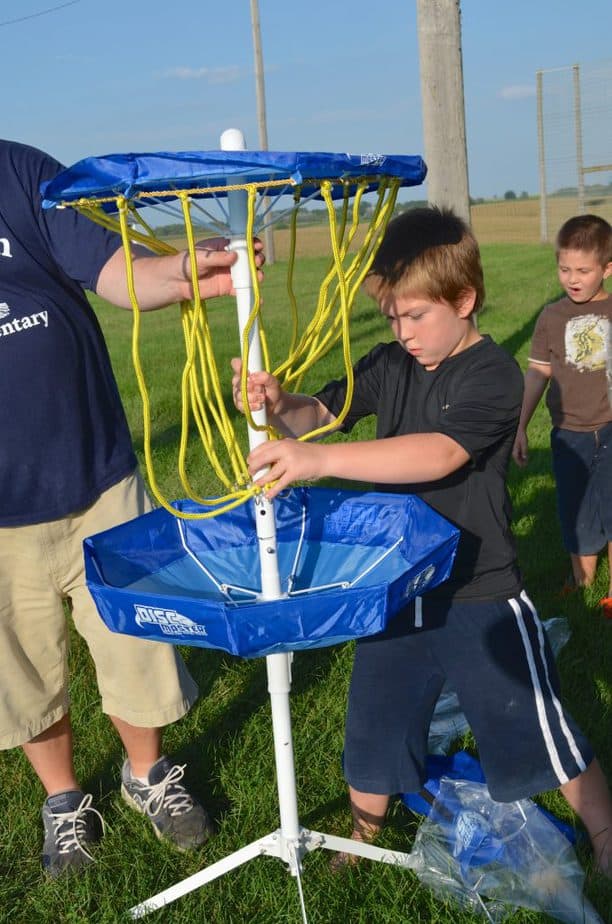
<point>368,810</point>
<point>343,860</point>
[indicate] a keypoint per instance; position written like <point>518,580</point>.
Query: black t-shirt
<point>475,398</point>
<point>64,436</point>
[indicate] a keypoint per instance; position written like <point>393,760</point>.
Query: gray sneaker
<point>175,815</point>
<point>71,826</point>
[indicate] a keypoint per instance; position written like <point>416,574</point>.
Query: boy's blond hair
<point>589,233</point>
<point>430,252</point>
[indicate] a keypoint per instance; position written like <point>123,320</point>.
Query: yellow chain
<point>201,392</point>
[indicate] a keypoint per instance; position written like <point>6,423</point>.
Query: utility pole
<point>441,68</point>
<point>542,162</point>
<point>578,135</point>
<point>261,114</point>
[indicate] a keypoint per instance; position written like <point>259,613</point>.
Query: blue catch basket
<point>348,561</point>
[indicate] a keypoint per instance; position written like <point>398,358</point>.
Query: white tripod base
<point>273,845</point>
<point>290,842</point>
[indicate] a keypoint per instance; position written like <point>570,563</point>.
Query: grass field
<point>517,221</point>
<point>226,739</point>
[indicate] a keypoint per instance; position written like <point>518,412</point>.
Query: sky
<point>84,77</point>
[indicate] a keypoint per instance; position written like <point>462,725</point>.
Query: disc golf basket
<point>316,567</point>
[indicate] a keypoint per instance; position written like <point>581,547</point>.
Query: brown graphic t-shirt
<point>575,340</point>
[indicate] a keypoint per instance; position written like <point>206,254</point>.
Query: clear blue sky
<point>95,77</point>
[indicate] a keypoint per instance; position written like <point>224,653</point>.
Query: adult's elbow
<point>112,282</point>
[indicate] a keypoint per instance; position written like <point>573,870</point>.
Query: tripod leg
<point>315,839</point>
<point>270,845</point>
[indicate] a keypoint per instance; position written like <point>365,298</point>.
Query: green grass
<point>227,739</point>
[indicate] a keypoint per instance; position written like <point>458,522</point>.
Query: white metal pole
<point>278,666</point>
<point>233,140</point>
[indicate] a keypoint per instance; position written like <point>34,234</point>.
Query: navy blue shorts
<point>494,654</point>
<point>582,464</point>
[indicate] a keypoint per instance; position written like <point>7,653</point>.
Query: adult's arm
<point>164,280</point>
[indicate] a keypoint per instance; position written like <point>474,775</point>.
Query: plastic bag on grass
<point>461,766</point>
<point>493,856</point>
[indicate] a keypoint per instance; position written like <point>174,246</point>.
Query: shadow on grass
<point>204,738</point>
<point>542,559</point>
<point>522,335</point>
<point>212,744</point>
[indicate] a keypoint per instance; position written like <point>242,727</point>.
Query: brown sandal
<point>343,860</point>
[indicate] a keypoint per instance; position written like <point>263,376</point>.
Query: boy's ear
<point>607,271</point>
<point>465,303</point>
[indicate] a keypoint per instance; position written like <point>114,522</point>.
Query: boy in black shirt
<point>447,401</point>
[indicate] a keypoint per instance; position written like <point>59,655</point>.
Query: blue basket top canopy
<point>129,175</point>
<point>348,561</point>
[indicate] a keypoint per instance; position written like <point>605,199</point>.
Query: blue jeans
<point>582,464</point>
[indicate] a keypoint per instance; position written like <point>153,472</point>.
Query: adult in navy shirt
<point>68,470</point>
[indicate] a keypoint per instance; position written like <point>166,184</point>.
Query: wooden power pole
<point>441,69</point>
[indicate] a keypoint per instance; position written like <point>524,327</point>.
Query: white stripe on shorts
<point>537,689</point>
<point>571,741</point>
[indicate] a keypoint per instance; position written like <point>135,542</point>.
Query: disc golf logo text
<point>372,160</point>
<point>168,621</point>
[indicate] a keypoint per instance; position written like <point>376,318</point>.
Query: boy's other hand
<point>520,450</point>
<point>263,389</point>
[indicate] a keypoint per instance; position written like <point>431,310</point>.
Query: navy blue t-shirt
<point>64,436</point>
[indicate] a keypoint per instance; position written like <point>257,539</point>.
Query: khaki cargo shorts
<point>41,567</point>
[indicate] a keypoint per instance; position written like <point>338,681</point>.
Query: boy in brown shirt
<point>568,356</point>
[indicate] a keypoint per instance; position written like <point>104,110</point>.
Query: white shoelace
<point>178,802</point>
<point>75,821</point>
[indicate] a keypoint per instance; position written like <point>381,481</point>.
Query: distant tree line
<point>594,190</point>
